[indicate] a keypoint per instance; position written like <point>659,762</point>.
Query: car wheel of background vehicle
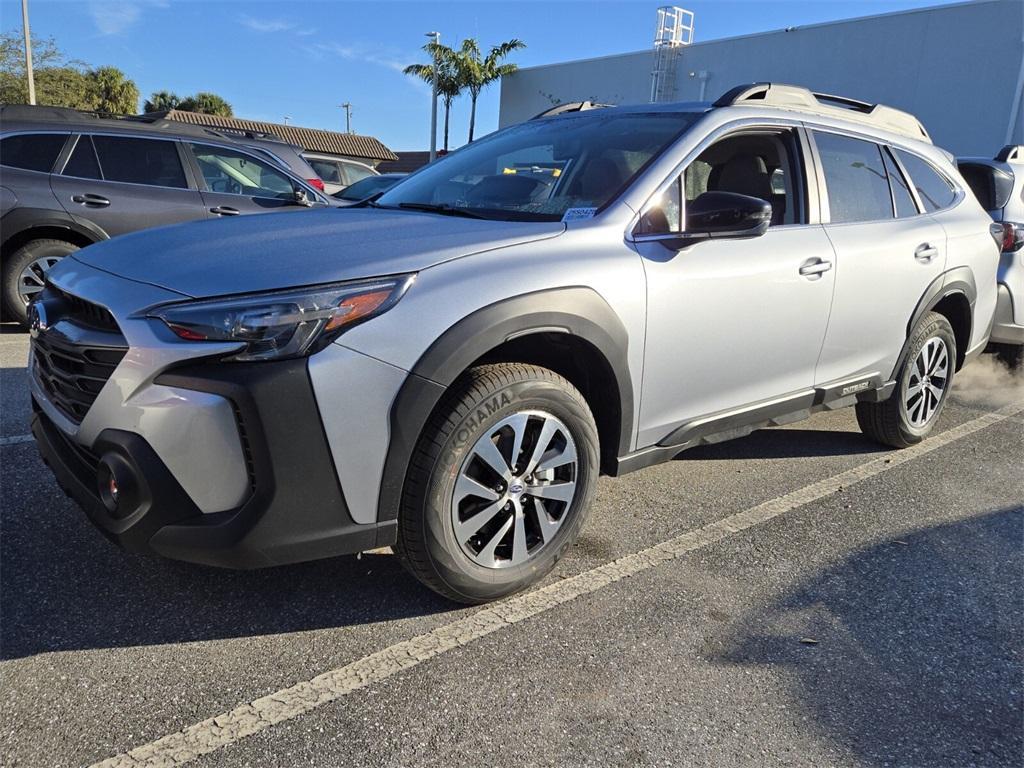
<point>923,384</point>
<point>499,484</point>
<point>24,273</point>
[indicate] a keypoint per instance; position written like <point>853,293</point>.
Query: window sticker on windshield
<point>576,214</point>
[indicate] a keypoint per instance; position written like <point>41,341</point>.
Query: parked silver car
<point>999,186</point>
<point>448,368</point>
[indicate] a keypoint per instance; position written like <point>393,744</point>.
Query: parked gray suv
<point>448,368</point>
<point>69,179</point>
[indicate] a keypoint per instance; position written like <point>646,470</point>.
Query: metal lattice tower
<point>674,30</point>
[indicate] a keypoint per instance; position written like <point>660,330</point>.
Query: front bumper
<point>294,510</point>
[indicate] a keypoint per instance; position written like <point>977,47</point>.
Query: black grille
<point>83,312</point>
<point>76,353</point>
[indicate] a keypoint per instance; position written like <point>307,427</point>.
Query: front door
<point>236,182</point>
<point>733,323</point>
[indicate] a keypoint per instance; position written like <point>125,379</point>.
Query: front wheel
<point>499,484</point>
<point>922,386</point>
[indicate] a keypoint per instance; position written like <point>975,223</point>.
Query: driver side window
<point>760,164</point>
<point>236,173</point>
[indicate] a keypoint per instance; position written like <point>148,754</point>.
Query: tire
<point>903,420</point>
<point>492,404</point>
<point>44,253</point>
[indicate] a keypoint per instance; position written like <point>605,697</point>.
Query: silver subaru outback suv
<point>448,368</point>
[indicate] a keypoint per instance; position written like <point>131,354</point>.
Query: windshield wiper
<point>442,208</point>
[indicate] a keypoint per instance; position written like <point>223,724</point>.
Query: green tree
<point>161,101</point>
<point>449,85</point>
<point>60,81</point>
<point>115,93</point>
<point>476,72</point>
<point>207,104</point>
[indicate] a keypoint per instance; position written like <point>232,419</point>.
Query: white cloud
<point>274,25</point>
<point>112,17</point>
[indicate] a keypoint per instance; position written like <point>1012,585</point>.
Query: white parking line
<point>255,716</point>
<point>15,440</point>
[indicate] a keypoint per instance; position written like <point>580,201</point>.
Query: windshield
<point>363,188</point>
<point>539,170</point>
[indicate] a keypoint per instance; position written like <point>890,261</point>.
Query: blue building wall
<point>959,68</point>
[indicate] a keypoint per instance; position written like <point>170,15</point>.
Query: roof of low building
<point>407,162</point>
<point>310,139</point>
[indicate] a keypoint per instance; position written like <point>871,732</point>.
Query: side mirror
<point>720,215</point>
<point>727,214</point>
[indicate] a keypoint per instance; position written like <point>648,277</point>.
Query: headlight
<point>286,323</point>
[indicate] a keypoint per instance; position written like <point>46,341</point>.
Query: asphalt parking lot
<point>797,597</point>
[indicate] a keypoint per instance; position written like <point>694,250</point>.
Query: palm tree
<point>477,72</point>
<point>449,87</point>
<point>161,101</point>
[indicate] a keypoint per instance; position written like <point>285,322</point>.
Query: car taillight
<point>316,182</point>
<point>1012,237</point>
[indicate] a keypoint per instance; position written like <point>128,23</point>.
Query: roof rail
<point>802,99</point>
<point>1010,152</point>
<point>571,106</point>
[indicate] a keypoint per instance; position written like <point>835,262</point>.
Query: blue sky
<point>302,59</point>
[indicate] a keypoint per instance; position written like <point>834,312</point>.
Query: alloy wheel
<point>514,489</point>
<point>33,277</point>
<point>928,381</point>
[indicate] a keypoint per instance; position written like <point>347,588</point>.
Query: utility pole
<point>433,102</point>
<point>28,53</point>
<point>347,106</point>
<point>286,119</point>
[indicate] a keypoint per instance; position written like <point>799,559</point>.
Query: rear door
<point>126,183</point>
<point>234,182</point>
<point>888,251</point>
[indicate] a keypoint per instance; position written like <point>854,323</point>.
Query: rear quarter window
<point>32,151</point>
<point>934,190</point>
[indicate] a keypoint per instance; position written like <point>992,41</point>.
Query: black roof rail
<point>571,106</point>
<point>802,99</point>
<point>1010,152</point>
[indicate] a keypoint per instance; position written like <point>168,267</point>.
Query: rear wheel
<point>922,386</point>
<point>499,484</point>
<point>24,273</point>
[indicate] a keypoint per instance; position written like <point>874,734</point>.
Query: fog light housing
<point>118,485</point>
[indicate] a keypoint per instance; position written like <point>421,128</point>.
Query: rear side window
<point>327,171</point>
<point>354,172</point>
<point>932,188</point>
<point>858,187</point>
<point>83,164</point>
<point>904,201</point>
<point>32,151</point>
<point>140,161</point>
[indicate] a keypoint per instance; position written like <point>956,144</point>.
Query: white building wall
<point>959,68</point>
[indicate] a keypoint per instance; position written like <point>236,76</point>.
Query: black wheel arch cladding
<point>578,312</point>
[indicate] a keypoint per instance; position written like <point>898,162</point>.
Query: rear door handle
<point>90,199</point>
<point>225,210</point>
<point>926,252</point>
<point>815,268</point>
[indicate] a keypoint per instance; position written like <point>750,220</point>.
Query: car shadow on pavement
<point>65,587</point>
<point>775,443</point>
<point>909,652</point>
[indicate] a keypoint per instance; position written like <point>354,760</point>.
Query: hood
<point>269,251</point>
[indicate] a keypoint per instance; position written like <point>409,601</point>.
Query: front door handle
<point>90,199</point>
<point>815,268</point>
<point>926,252</point>
<point>225,210</point>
